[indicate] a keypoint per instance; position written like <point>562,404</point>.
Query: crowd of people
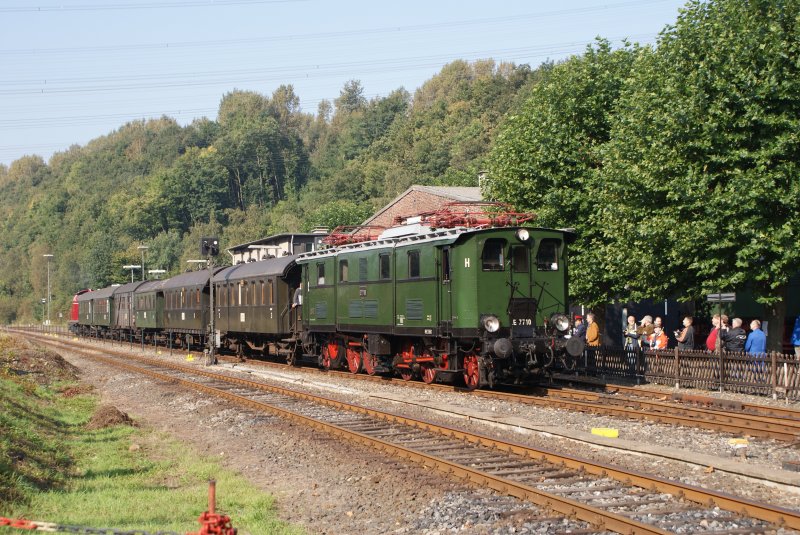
<point>649,333</point>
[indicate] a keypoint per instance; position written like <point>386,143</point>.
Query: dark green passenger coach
<point>253,303</point>
<point>149,305</point>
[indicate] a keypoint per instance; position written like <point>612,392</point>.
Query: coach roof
<point>127,288</point>
<point>192,278</point>
<point>150,286</point>
<point>263,268</point>
<point>101,293</point>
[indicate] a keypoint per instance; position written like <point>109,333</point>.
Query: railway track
<point>734,417</point>
<point>608,497</point>
<point>738,418</point>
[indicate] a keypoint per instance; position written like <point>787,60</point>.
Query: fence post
<point>677,369</point>
<point>774,374</point>
<point>721,372</point>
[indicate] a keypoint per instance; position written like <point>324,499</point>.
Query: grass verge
<point>53,469</point>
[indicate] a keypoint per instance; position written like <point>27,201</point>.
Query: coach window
<point>343,271</point>
<point>413,264</point>
<point>198,296</point>
<point>362,269</point>
<point>520,255</point>
<point>385,267</point>
<point>492,257</point>
<point>271,283</point>
<point>547,257</point>
<point>320,274</point>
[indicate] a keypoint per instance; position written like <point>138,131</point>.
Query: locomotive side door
<point>445,291</point>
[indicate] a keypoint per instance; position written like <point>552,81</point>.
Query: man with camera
<point>685,337</point>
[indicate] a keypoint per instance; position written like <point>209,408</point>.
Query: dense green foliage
<point>548,156</point>
<point>676,163</point>
<point>263,166</point>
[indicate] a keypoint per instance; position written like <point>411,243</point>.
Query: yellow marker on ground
<point>190,358</point>
<point>605,432</point>
<point>738,442</point>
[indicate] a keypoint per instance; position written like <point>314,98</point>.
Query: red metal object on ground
<point>472,214</point>
<point>19,523</point>
<point>212,523</point>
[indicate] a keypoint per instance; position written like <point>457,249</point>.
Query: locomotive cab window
<point>520,256</point>
<point>547,257</point>
<point>385,267</point>
<point>343,271</point>
<point>492,256</point>
<point>446,264</point>
<point>320,274</point>
<point>413,264</point>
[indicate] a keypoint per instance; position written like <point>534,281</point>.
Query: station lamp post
<point>143,248</point>
<point>48,257</point>
<point>131,267</point>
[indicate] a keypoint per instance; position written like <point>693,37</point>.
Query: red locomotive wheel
<point>330,354</point>
<point>406,373</point>
<point>428,373</point>
<point>354,359</point>
<point>472,372</point>
<point>369,362</point>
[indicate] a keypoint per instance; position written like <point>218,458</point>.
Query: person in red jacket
<point>711,341</point>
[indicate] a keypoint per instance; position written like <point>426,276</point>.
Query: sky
<point>74,70</point>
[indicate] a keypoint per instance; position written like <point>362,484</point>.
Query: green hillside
<point>261,166</point>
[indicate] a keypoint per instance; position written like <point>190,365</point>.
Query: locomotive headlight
<point>560,322</point>
<point>491,323</point>
<point>523,235</point>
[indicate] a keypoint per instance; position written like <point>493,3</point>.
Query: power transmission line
<point>333,35</point>
<point>142,5</point>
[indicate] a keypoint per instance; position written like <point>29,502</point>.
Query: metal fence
<point>771,374</point>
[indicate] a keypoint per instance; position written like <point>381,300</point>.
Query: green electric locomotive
<point>482,298</point>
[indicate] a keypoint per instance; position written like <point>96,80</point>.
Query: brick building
<point>418,199</point>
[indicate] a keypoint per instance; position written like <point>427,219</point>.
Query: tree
<point>702,166</point>
<point>547,156</point>
<point>351,97</point>
<point>342,212</point>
